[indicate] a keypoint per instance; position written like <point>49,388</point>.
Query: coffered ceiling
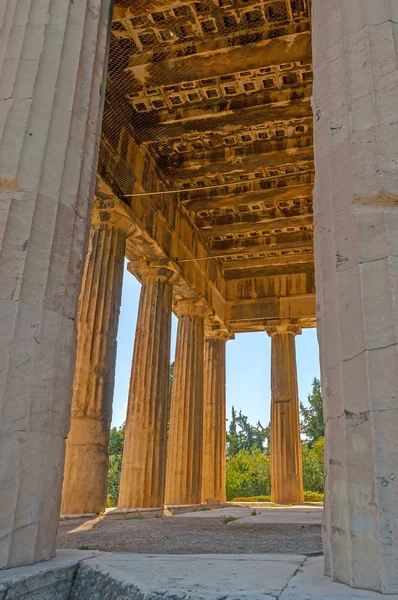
<point>211,100</point>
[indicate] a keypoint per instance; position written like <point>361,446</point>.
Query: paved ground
<point>272,530</point>
<point>255,577</point>
<point>300,515</point>
<point>75,575</point>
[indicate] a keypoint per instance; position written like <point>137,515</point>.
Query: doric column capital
<point>283,328</point>
<point>157,268</point>
<point>112,213</point>
<point>217,332</point>
<point>191,306</point>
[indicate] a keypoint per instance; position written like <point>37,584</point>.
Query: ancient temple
<point>207,150</point>
<point>217,114</point>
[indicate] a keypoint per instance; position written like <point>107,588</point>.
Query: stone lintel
<point>267,311</point>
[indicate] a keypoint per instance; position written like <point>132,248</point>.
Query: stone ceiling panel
<point>210,100</point>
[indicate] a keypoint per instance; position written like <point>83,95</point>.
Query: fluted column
<point>86,459</point>
<point>214,414</point>
<point>142,479</point>
<point>185,440</point>
<point>355,49</point>
<point>52,66</point>
<point>286,460</point>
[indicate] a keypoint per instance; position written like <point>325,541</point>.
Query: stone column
<point>286,461</point>
<point>185,441</point>
<point>214,414</point>
<point>86,460</point>
<point>142,479</point>
<point>355,47</point>
<point>289,10</point>
<point>52,65</point>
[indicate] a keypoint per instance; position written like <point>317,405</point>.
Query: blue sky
<point>248,363</point>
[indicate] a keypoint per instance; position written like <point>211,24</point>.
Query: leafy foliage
<point>248,449</point>
<point>252,499</point>
<point>116,441</point>
<point>248,454</point>
<point>313,497</point>
<point>312,424</point>
<point>308,497</point>
<point>243,436</point>
<point>313,477</point>
<point>248,474</point>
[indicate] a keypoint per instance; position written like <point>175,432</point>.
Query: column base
<point>288,497</point>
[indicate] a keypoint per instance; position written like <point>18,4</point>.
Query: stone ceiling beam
<point>272,196</point>
<point>216,62</point>
<point>257,115</point>
<point>279,268</point>
<point>236,164</point>
<point>251,267</point>
<point>258,149</point>
<point>256,315</point>
<point>305,218</point>
<point>236,249</point>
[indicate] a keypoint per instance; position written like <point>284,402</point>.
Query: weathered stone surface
<point>299,515</point>
<point>48,580</point>
<point>185,440</point>
<point>310,583</point>
<point>214,414</point>
<point>79,575</point>
<point>52,63</point>
<point>286,461</point>
<point>142,482</point>
<point>356,219</point>
<point>200,577</point>
<point>86,459</point>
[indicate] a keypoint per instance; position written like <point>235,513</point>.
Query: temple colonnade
<point>188,425</point>
<point>52,81</point>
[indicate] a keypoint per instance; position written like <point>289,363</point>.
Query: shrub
<point>313,497</point>
<point>308,497</point>
<point>252,499</point>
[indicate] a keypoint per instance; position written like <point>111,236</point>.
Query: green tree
<point>243,436</point>
<point>232,435</point>
<point>116,441</point>
<point>313,471</point>
<point>312,424</point>
<point>248,474</point>
<point>267,439</point>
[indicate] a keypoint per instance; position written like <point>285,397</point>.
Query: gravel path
<point>190,535</point>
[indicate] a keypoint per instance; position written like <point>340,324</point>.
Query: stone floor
<point>254,515</point>
<point>75,575</point>
<point>226,530</point>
